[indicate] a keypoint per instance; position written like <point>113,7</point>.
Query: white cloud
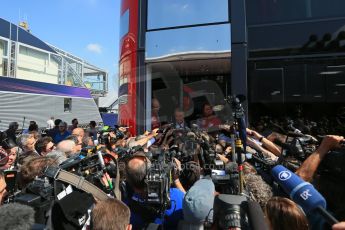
<point>94,47</point>
<point>185,6</point>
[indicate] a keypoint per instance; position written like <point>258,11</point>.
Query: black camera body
<point>105,138</point>
<point>39,195</point>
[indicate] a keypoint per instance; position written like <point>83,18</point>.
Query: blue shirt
<point>58,137</point>
<point>172,216</point>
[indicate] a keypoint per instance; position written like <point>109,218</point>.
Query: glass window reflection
<point>124,23</point>
<point>163,13</point>
<point>200,39</point>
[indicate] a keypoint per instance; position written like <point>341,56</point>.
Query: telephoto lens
<point>230,212</point>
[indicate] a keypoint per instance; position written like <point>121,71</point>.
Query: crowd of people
<point>191,190</point>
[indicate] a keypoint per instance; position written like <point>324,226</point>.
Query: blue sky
<point>86,28</point>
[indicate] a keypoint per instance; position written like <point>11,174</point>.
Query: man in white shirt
<point>50,123</point>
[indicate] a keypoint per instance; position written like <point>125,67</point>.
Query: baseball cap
<point>198,203</point>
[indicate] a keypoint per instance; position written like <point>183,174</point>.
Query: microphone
<point>100,158</point>
<point>16,216</point>
<point>256,216</point>
<point>106,176</point>
<point>301,192</point>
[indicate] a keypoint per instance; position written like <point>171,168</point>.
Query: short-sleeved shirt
<point>172,215</point>
<point>60,137</point>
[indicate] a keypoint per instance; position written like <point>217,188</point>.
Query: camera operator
<point>111,214</point>
<point>3,186</point>
<point>142,215</point>
<point>33,168</point>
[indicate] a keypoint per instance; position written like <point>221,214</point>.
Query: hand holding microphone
<point>301,192</point>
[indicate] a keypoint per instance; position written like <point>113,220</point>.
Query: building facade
<point>281,55</point>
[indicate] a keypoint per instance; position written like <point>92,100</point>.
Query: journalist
<point>27,144</point>
<point>44,145</point>
<point>62,133</point>
<point>198,205</point>
<point>284,214</point>
<point>12,151</point>
<point>111,214</point>
<point>142,215</point>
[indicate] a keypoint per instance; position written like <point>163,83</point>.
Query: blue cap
<point>198,202</point>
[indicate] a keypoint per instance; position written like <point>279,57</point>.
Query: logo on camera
<point>284,175</point>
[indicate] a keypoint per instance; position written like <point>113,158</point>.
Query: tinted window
<point>267,86</point>
<point>193,40</point>
<point>269,11</point>
<point>169,13</point>
<point>294,83</point>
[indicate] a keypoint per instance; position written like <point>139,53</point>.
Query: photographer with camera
<point>143,214</point>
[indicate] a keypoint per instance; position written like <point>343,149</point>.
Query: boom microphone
<point>303,193</point>
<point>16,216</point>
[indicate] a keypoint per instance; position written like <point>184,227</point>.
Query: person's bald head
<point>68,147</point>
<point>78,132</point>
<point>136,170</point>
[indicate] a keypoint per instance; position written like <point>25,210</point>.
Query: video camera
<point>105,137</point>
